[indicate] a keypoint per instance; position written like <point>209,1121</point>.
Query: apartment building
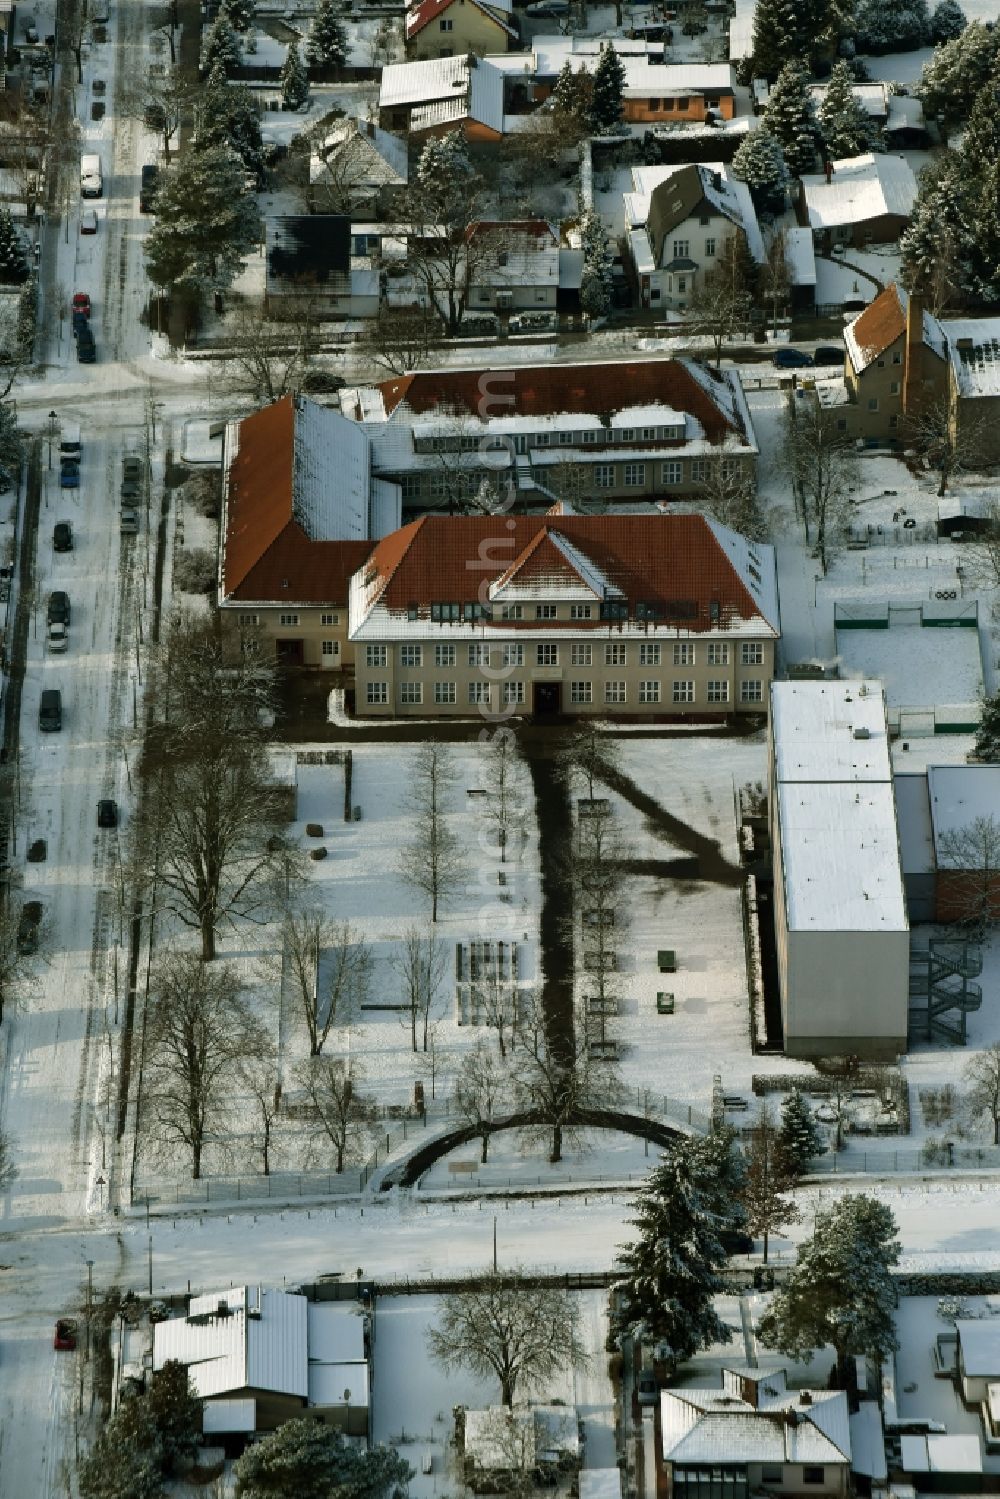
<point>625,616</point>
<point>640,432</point>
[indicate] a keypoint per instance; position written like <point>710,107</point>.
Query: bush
<point>194,571</point>
<point>203,492</point>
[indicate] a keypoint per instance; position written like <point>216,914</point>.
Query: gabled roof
<point>420,15</point>
<point>577,389</point>
<point>298,506</point>
<point>367,155</point>
<point>876,329</point>
<point>861,188</point>
<point>702,576</point>
<point>444,90</point>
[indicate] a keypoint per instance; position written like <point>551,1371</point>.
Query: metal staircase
<point>941,976</point>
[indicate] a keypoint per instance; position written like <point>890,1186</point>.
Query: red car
<point>81,303</point>
<point>64,1340</point>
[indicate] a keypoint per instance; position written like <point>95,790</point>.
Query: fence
<point>936,1156</point>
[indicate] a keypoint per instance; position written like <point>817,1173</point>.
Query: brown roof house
<point>637,616</point>
<point>301,508</point>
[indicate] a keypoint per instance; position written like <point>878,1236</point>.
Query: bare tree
<point>421,963</point>
<point>504,778</point>
<point>950,445</point>
<point>590,753</point>
<point>400,339</point>
<point>198,1031</point>
<point>482,1093</point>
<point>729,494</point>
<point>329,967</point>
<point>982,560</point>
<point>494,998</point>
<point>210,808</point>
<point>175,96</point>
<point>598,875</point>
<point>8,1166</point>
<point>266,358</point>
<point>822,463</point>
<point>15,955</point>
<point>340,1111</point>
<point>558,1077</point>
<point>259,1076</point>
<point>982,1073</point>
<point>971,856</point>
<point>767,1181</point>
<point>775,278</point>
<point>721,301</point>
<point>433,863</point>
<point>522,1333</point>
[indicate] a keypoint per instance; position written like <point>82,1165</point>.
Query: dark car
<point>86,348</point>
<point>58,610</point>
<point>132,468</point>
<point>828,354</point>
<point>148,185</point>
<point>69,476</point>
<point>322,382</point>
<point>62,536</point>
<point>129,491</point>
<point>81,324</point>
<point>107,813</point>
<point>64,1338</point>
<point>27,927</point>
<point>792,359</point>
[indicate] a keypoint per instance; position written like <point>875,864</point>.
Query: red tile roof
<point>879,326</point>
<point>419,16</point>
<point>659,559</point>
<point>268,556</point>
<point>546,391</point>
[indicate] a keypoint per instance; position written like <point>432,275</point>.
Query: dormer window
<point>616,609</point>
<point>627,434</point>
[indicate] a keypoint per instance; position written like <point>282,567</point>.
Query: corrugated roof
<point>259,1343</point>
<point>681,562</point>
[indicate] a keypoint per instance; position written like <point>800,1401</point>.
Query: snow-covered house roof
<point>873,97</point>
<point>246,1338</point>
<point>800,256</point>
<point>660,196</point>
<point>941,1452</point>
<point>973,346</point>
<point>646,73</point>
<point>360,154</point>
<point>519,253</point>
<point>444,90</point>
<point>300,504</point>
<point>689,573</point>
<point>834,788</point>
<point>541,1433</point>
<point>861,188</point>
<point>784,1427</point>
<point>957,796</point>
<point>979,1345</point>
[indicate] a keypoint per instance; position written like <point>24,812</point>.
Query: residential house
<point>638,616</point>
<point>259,1357</point>
<point>358,169</point>
<point>309,265</point>
<point>655,91</point>
<point>754,1435</point>
<point>679,221</point>
<point>514,266</point>
<point>641,432</point>
<point>841,928</point>
<point>901,361</point>
<point>873,98</point>
<point>800,261</point>
<point>301,508</point>
<point>450,28</point>
<point>935,806</point>
<point>859,200</point>
<point>434,97</point>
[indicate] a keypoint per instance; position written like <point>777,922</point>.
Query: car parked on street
<point>129,492</point>
<point>81,303</point>
<point>86,348</point>
<point>792,359</point>
<point>828,354</point>
<point>64,1338</point>
<point>28,927</point>
<point>58,611</point>
<point>107,813</point>
<point>132,468</point>
<point>69,476</point>
<point>62,536</point>
<point>57,639</point>
<point>88,221</point>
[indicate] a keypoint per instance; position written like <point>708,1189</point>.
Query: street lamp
<point>52,432</point>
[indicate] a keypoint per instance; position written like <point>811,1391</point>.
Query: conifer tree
<point>947,22</point>
<point>790,117</point>
<point>935,245</point>
<point>608,93</point>
<point>760,162</point>
<point>988,734</point>
<point>840,1292</point>
<point>844,122</point>
<point>223,46</point>
<point>891,25</point>
<point>326,45</point>
<point>240,13</point>
<point>596,283</point>
<point>799,1136</point>
<point>673,1267</point>
<point>294,80</point>
<point>955,74</point>
<point>13,261</point>
<point>229,115</point>
<point>572,96</point>
<point>205,223</point>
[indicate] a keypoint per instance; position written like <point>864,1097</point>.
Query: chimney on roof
<point>828,169</point>
<point>914,373</point>
<point>805,1398</point>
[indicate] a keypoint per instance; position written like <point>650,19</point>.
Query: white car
<point>57,639</point>
<point>88,221</point>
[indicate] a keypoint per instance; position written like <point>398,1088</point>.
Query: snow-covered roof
<point>957,795</point>
<point>868,1442</point>
<point>815,728</point>
<point>833,775</point>
<point>873,97</point>
<point>861,188</point>
<point>979,1347</point>
<point>795,1426</point>
<point>974,350</point>
<point>800,256</point>
<point>551,1430</point>
<point>913,817</point>
<point>331,475</point>
<point>937,1452</point>
<point>360,154</point>
<point>645,72</point>
<point>729,196</point>
<point>600,1483</point>
<point>441,90</point>
<point>239,1339</point>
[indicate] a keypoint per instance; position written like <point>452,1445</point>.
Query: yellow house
<point>449,28</point>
